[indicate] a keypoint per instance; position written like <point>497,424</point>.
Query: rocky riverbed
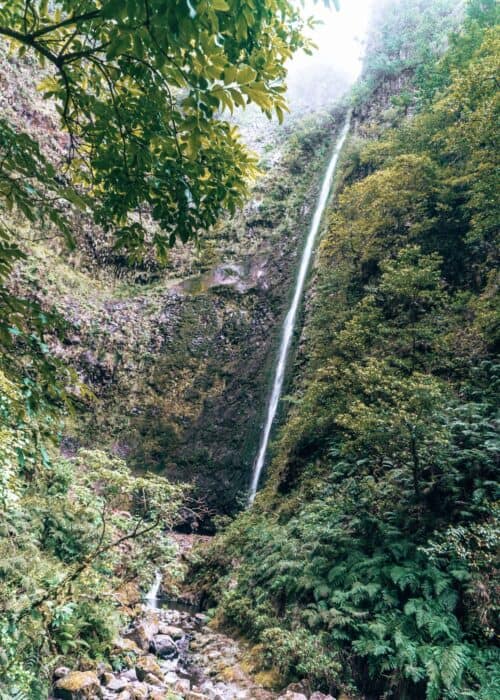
<point>171,654</point>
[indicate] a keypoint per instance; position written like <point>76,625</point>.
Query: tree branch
<point>66,23</point>
<point>134,534</point>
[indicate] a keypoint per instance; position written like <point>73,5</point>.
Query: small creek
<point>170,652</point>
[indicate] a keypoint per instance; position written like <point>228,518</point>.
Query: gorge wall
<point>175,359</point>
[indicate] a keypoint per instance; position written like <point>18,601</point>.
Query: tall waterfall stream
<point>291,317</point>
<point>175,649</point>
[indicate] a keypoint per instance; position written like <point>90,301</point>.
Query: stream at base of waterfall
<point>170,651</point>
<point>174,655</point>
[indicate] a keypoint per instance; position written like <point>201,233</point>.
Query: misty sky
<point>340,36</point>
<point>318,79</point>
<point>316,82</point>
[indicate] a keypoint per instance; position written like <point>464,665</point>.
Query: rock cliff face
<point>175,360</point>
<point>181,369</point>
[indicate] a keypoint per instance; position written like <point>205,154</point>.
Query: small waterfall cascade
<point>289,324</point>
<point>152,594</point>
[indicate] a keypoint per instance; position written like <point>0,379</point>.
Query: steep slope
<point>368,561</point>
<point>174,357</point>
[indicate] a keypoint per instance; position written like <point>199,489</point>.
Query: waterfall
<point>289,324</point>
<point>152,594</point>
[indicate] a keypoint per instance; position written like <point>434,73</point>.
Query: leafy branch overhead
<point>140,86</point>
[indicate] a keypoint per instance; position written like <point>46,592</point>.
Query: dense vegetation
<point>367,564</point>
<point>368,561</point>
<point>146,181</point>
<point>141,157</point>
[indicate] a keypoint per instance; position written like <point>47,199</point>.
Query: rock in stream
<point>171,655</point>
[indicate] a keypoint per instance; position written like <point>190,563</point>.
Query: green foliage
<point>405,39</point>
<point>139,88</point>
<point>73,532</point>
<point>375,537</point>
<point>408,33</point>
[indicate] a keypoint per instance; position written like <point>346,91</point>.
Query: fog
<point>318,80</point>
<point>315,82</point>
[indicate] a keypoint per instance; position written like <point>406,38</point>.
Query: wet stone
<point>163,646</point>
<point>117,684</point>
<point>61,671</point>
<point>171,631</point>
<point>183,685</point>
<point>148,664</point>
<point>138,691</point>
<point>150,679</point>
<point>124,695</point>
<point>129,674</point>
<point>143,632</point>
<point>171,678</point>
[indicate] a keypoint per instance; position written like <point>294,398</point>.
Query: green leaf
<point>246,74</point>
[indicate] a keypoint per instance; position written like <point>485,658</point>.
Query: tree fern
<point>453,661</point>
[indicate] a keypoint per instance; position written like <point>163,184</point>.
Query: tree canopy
<point>140,86</point>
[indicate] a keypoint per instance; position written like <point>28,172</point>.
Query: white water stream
<point>289,325</point>
<point>152,594</point>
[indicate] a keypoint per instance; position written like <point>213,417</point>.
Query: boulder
<point>321,696</point>
<point>163,646</point>
<point>138,691</point>
<point>171,631</point>
<point>159,694</point>
<point>106,678</point>
<point>148,664</point>
<point>201,618</point>
<point>129,674</point>
<point>128,646</point>
<point>117,684</point>
<point>102,669</point>
<point>151,679</point>
<point>124,695</point>
<point>182,686</point>
<point>78,685</point>
<point>171,678</point>
<point>61,671</point>
<point>142,633</point>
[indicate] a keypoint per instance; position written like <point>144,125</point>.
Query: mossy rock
<point>78,685</point>
<point>271,679</point>
<point>148,665</point>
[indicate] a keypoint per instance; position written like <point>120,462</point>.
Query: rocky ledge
<point>171,655</point>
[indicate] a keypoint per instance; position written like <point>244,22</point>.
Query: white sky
<point>322,77</point>
<point>341,36</point>
<point>316,82</point>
